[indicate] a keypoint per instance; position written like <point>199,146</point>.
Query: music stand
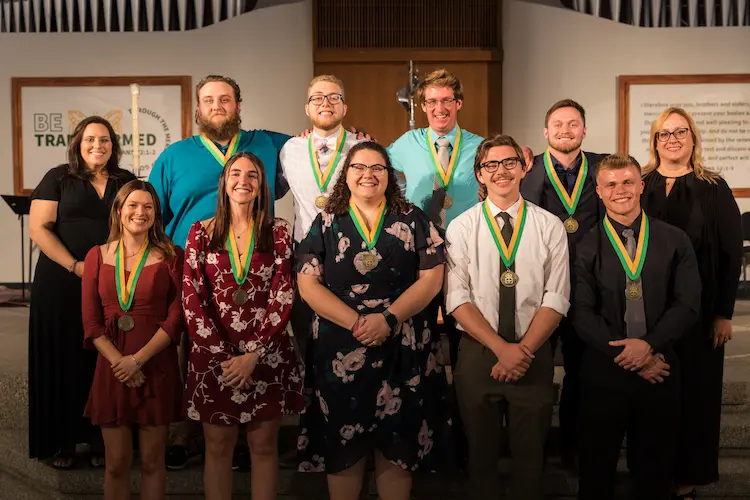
<point>21,205</point>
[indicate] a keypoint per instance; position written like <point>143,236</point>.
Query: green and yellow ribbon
<point>445,176</point>
<point>370,236</point>
<point>320,178</point>
<point>632,267</point>
<point>240,267</point>
<point>569,201</point>
<point>216,152</point>
<point>507,252</point>
<point>126,290</point>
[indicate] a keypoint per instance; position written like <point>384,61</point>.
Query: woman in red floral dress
<point>238,287</point>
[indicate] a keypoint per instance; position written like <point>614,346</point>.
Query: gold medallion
<point>125,323</point>
<point>321,202</point>
<point>239,296</point>
<point>571,225</point>
<point>633,291</point>
<point>509,279</point>
<point>447,202</point>
<point>370,261</point>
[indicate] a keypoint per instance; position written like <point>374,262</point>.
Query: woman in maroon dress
<point>133,316</point>
<point>238,292</point>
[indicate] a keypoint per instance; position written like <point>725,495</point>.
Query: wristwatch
<point>390,318</point>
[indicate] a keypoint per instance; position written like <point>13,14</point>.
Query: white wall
<point>268,52</point>
<point>552,54</point>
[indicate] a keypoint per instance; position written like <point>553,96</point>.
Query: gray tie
<point>438,191</point>
<point>635,313</point>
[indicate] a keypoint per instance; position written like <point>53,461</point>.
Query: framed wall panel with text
<point>47,110</point>
<point>719,104</point>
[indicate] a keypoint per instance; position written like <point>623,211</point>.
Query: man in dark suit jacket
<point>637,291</point>
<point>562,182</point>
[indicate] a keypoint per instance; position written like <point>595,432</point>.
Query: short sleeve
<point>429,241</point>
<point>310,253</point>
<point>49,187</point>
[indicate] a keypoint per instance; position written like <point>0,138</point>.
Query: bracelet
<point>354,326</point>
<point>72,267</point>
<point>136,362</point>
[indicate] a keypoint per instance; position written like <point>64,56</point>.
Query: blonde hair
<point>696,158</point>
<point>440,78</point>
<point>326,78</point>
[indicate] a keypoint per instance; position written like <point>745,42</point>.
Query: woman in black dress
<point>369,268</point>
<point>681,191</point>
<point>69,215</point>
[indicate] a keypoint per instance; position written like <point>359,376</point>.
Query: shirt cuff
<point>454,299</point>
<point>557,302</point>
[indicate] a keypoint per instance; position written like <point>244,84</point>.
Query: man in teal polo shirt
<point>438,161</point>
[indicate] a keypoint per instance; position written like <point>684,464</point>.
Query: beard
<point>564,147</point>
<point>327,124</point>
<point>222,132</point>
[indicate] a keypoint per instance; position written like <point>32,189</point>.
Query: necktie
<point>438,191</point>
<point>324,154</point>
<point>635,313</point>
<point>506,324</point>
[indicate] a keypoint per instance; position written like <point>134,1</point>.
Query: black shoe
<point>241,459</point>
<point>176,457</point>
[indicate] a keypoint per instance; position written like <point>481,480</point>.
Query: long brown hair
<point>260,210</point>
<point>395,203</point>
<point>77,166</point>
<point>696,158</point>
<point>156,236</point>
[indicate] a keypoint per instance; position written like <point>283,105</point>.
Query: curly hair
<point>395,202</point>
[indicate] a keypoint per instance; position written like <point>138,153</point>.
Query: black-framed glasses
<point>508,164</point>
<point>333,99</point>
<point>679,134</point>
<point>431,103</point>
<point>361,168</point>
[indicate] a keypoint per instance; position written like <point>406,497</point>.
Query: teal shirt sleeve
<point>282,185</point>
<point>393,153</point>
<point>158,178</point>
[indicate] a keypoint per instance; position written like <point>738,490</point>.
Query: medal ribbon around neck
<point>320,178</point>
<point>570,202</point>
<point>632,267</point>
<point>507,252</point>
<point>444,176</point>
<point>126,290</point>
<point>240,267</point>
<point>370,236</point>
<point>216,152</point>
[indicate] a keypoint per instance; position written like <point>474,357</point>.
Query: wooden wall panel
<point>371,95</point>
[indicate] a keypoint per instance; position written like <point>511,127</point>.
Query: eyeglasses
<point>360,168</point>
<point>333,99</point>
<point>679,134</point>
<point>508,164</point>
<point>431,103</point>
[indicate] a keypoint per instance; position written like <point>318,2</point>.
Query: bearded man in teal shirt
<point>186,174</point>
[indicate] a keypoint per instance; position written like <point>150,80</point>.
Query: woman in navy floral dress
<point>369,268</point>
<point>237,294</point>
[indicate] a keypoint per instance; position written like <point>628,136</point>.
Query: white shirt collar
<point>512,210</point>
<point>331,140</point>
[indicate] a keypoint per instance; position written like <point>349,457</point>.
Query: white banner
<point>50,114</point>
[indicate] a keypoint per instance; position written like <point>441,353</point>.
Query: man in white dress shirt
<point>311,166</point>
<point>507,285</point>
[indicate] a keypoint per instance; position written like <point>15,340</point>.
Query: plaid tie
<point>438,191</point>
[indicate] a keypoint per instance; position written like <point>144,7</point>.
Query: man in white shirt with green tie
<point>507,286</point>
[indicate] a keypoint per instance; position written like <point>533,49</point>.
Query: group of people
<point>183,300</point>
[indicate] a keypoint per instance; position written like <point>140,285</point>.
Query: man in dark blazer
<point>637,291</point>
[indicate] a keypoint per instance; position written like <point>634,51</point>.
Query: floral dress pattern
<point>390,397</point>
<point>220,329</point>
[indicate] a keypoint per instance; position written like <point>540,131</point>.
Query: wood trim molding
<point>400,55</point>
